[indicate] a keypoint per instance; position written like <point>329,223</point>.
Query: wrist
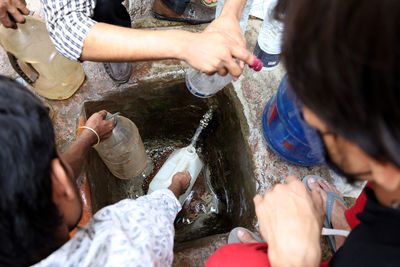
<point>305,256</point>
<point>88,137</point>
<point>183,41</point>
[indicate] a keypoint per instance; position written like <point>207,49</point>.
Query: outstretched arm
<point>77,36</point>
<point>208,51</point>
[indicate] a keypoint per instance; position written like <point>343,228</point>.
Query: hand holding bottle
<point>99,123</point>
<point>12,11</point>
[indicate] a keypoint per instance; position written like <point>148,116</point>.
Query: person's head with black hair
<point>343,62</point>
<point>31,179</point>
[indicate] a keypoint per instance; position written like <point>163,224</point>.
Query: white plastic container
<point>203,85</point>
<point>123,152</point>
<point>268,47</point>
<point>184,159</point>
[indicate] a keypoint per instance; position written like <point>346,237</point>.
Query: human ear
<point>61,184</point>
<point>386,175</point>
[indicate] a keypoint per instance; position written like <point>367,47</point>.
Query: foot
<point>245,237</point>
<point>119,72</point>
<point>338,219</point>
<point>180,183</point>
<point>194,13</point>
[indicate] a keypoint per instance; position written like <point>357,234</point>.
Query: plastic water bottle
<point>203,85</point>
<point>184,159</point>
<point>268,47</point>
<point>34,57</point>
<point>123,152</point>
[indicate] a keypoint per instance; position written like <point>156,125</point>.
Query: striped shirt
<point>68,22</point>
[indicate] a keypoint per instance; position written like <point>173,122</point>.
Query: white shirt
<point>68,22</point>
<point>129,233</point>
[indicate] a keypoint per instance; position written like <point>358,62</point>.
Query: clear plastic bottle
<point>268,47</point>
<point>123,152</point>
<point>32,53</point>
<point>180,160</point>
<point>203,85</point>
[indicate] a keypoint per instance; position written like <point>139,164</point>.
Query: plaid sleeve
<point>68,22</point>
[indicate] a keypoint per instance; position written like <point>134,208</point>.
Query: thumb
<point>243,54</point>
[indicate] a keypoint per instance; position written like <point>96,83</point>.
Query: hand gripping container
<point>34,57</point>
<point>123,152</point>
<point>184,159</point>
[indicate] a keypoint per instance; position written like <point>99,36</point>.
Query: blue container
<point>283,131</point>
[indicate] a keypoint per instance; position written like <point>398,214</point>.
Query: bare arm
<point>208,51</point>
<point>75,155</point>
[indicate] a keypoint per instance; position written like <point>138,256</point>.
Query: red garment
<point>240,255</point>
<point>256,254</point>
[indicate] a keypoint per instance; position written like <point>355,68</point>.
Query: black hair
<point>343,62</point>
<point>29,217</point>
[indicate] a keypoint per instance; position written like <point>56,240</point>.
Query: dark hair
<point>343,62</point>
<point>29,216</point>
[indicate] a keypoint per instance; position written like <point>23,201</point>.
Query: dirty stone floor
<point>253,89</point>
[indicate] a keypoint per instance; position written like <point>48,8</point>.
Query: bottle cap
<point>257,64</point>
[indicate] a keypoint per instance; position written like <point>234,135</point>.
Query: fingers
<point>233,67</point>
<point>18,17</point>
<point>245,237</point>
<point>182,173</point>
<point>21,6</point>
<point>290,179</point>
<point>102,113</point>
<point>222,72</point>
<point>15,9</point>
<point>243,54</point>
<point>4,18</point>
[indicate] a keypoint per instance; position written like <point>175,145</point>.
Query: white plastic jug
<point>184,159</point>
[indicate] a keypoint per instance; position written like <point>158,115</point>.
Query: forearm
<point>105,42</point>
<point>75,155</point>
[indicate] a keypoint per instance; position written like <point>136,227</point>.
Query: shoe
<point>233,238</point>
<point>327,229</point>
<point>119,72</point>
<point>194,13</point>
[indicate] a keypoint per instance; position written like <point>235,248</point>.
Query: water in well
<point>167,118</point>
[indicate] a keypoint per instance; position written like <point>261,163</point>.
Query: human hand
<point>217,48</point>
<point>14,8</point>
<point>98,123</point>
<point>290,223</point>
<point>180,183</point>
